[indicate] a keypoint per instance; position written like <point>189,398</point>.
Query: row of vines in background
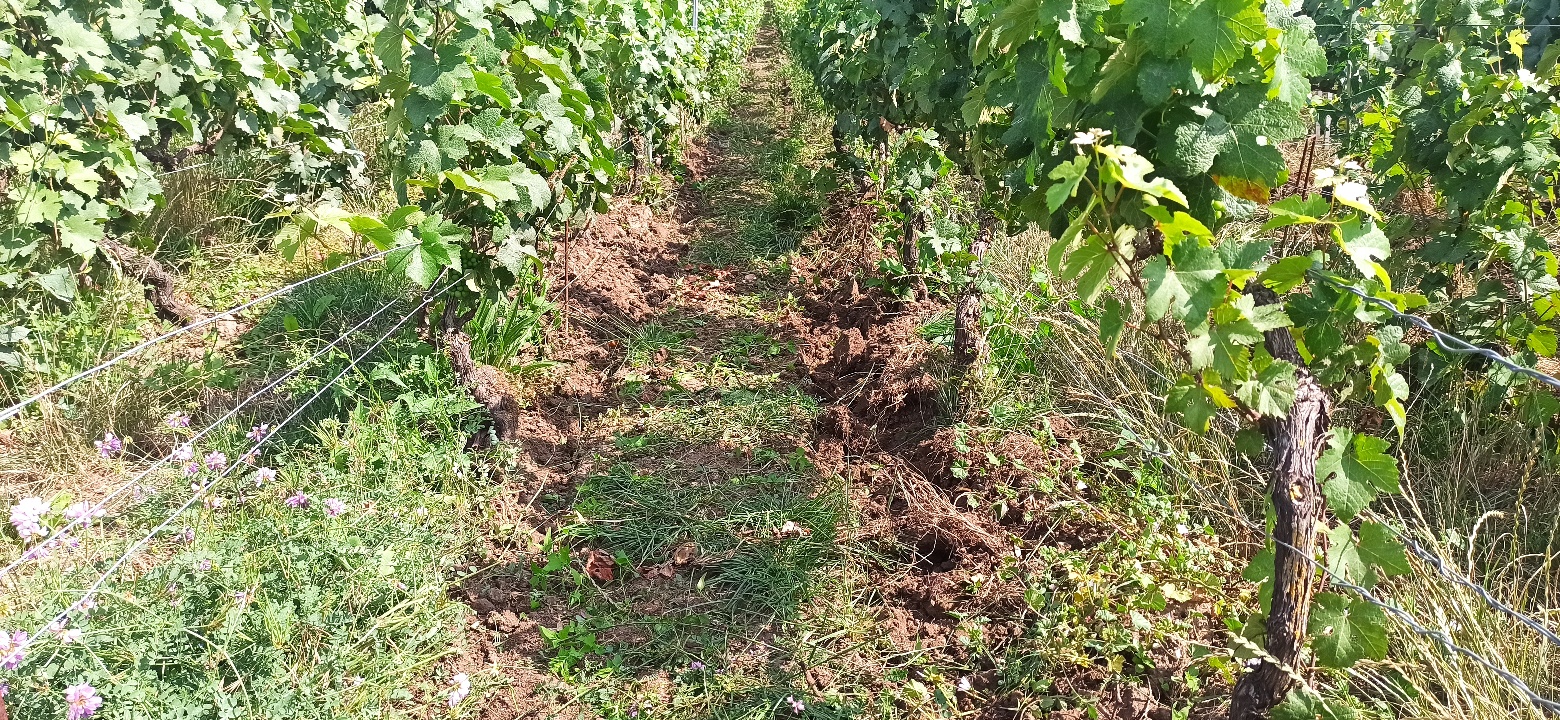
<point>506,121</point>
<point>1147,137</point>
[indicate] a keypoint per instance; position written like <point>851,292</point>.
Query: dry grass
<point>1483,483</point>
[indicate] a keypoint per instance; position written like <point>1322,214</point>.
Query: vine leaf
<point>1343,556</point>
<point>1067,175</point>
<point>1353,470</point>
<point>1195,406</point>
<point>1296,210</point>
<point>1382,551</point>
<point>1365,244</point>
<point>1301,704</point>
<point>1346,631</point>
<point>1286,274</point>
<point>1220,32</point>
<point>1090,266</point>
<point>1190,288</point>
<point>1111,325</point>
<point>1272,391</point>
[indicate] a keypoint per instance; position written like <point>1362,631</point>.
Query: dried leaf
<point>599,565</point>
<point>685,553</point>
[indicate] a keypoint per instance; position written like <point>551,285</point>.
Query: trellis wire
<point>1440,637</point>
<point>98,584</point>
<point>1439,564</point>
<point>87,518</point>
<point>1450,342</point>
<point>16,409</point>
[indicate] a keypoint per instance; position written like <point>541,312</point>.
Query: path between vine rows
<point>750,362</point>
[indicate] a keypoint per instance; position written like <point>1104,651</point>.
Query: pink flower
<point>178,420</point>
<point>82,512</point>
<point>27,517</point>
<point>264,475</point>
<point>109,446</point>
<point>82,701</point>
<point>192,469</point>
<point>258,432</point>
<point>12,649</point>
<point>298,500</point>
<point>216,461</point>
<point>461,690</point>
<point>334,507</point>
<point>182,453</point>
<point>796,705</point>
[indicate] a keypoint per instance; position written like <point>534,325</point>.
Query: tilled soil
<point>883,430</point>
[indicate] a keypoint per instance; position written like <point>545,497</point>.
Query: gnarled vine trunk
<point>967,336</point>
<point>843,155</point>
<point>910,244</point>
<point>161,290</point>
<point>1294,443</point>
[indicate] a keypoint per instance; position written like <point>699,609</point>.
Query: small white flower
<point>1262,141</point>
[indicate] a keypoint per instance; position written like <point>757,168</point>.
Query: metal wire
<point>1415,627</point>
<point>92,590</point>
<point>87,518</point>
<point>16,409</point>
<point>1439,564</point>
<point>1448,341</point>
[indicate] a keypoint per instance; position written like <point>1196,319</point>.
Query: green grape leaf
<point>1344,632</point>
<point>1379,548</point>
<point>1301,704</point>
<point>36,204</point>
<point>1343,556</point>
<point>1090,266</point>
<point>1220,33</point>
<point>1262,317</point>
<point>1271,392</point>
<point>1191,402</point>
<point>1193,146</point>
<point>1543,341</point>
<point>1067,176</point>
<point>1365,244</point>
<point>1286,274</point>
<point>1299,57</point>
<point>1125,166</point>
<point>59,282</point>
<point>492,86</point>
<point>1190,287</point>
<point>1297,210</point>
<point>80,234</point>
<point>1111,325</point>
<point>1353,470</point>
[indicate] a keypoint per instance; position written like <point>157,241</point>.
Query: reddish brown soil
<point>883,404</point>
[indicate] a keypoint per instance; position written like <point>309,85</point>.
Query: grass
<point>338,616</point>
